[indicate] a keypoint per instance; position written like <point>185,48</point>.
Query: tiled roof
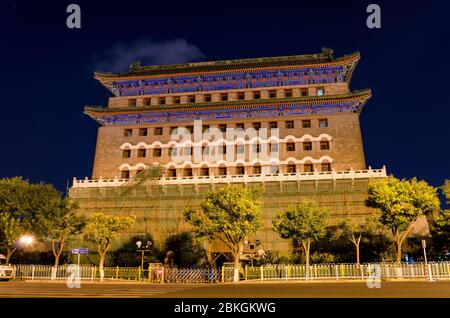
<point>228,65</point>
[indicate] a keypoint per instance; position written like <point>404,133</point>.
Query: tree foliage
<point>303,222</point>
<point>355,230</point>
<point>103,229</point>
<point>440,225</point>
<point>229,214</point>
<point>401,202</point>
<point>10,230</point>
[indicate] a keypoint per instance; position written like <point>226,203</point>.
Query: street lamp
<point>26,240</point>
<point>143,249</point>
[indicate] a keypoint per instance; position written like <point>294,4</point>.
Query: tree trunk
<point>9,252</point>
<point>357,243</point>
<point>307,247</point>
<point>236,267</point>
<point>398,247</point>
<point>101,263</point>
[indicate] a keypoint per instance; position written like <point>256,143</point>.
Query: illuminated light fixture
<point>26,240</point>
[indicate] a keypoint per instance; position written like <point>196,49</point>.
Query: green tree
<point>440,225</point>
<point>10,231</point>
<point>401,202</point>
<point>103,229</point>
<point>229,214</point>
<point>354,230</point>
<point>303,222</point>
<point>59,224</point>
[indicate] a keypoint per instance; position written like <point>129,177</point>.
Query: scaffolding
<point>159,207</point>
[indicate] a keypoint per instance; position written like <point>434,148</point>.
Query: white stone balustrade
<point>299,176</point>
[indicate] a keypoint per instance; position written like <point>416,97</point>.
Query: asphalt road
<point>229,290</point>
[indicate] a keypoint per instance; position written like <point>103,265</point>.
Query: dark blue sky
<point>48,70</point>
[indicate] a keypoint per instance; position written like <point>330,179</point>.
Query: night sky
<point>47,70</point>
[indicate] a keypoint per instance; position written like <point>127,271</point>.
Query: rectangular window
<point>158,131</point>
<point>320,91</point>
<point>256,169</point>
<point>157,152</point>
<point>240,170</point>
<point>324,145</point>
<point>306,123</point>
<point>240,126</point>
<point>272,94</point>
<point>290,146</point>
<point>188,172</point>
<point>204,171</point>
<point>142,131</point>
<point>273,125</point>
<point>142,153</point>
<point>207,98</point>
<point>256,95</point>
<point>326,167</point>
<point>223,149</point>
<point>240,96</point>
<point>176,100</point>
<point>222,171</point>
<point>191,99</point>
<point>288,93</point>
<point>172,173</point>
<point>128,132</point>
<point>304,92</point>
<point>274,147</point>
<point>289,124</point>
<point>223,127</point>
<point>307,146</point>
<point>223,97</point>
<point>240,149</point>
<point>126,153</point>
<point>308,167</point>
<point>256,126</point>
<point>188,151</point>
<point>161,100</point>
<point>323,123</point>
<point>147,101</point>
<point>124,174</point>
<point>291,169</point>
<point>132,102</point>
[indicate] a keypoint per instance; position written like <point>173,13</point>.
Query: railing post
<point>246,272</point>
<point>287,271</point>
<point>117,272</point>
<point>262,272</point>
<point>32,272</point>
<point>162,274</point>
<point>337,271</point>
<point>93,273</point>
<point>150,273</point>
<point>223,274</point>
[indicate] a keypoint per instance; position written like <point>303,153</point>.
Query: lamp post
<point>252,247</point>
<point>143,249</point>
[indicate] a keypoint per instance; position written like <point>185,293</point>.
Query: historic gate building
<point>289,125</point>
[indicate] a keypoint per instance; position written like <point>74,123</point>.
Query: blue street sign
<point>79,251</point>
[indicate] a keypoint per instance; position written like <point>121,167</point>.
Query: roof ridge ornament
<point>328,52</point>
<point>135,65</point>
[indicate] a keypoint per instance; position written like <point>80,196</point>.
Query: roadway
<point>291,289</point>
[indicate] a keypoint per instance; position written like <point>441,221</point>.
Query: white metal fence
<point>161,274</point>
<point>434,270</point>
<point>154,274</point>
